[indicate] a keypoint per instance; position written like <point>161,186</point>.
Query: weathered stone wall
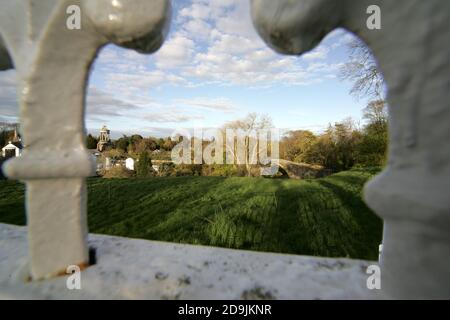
<point>297,170</point>
<point>141,269</point>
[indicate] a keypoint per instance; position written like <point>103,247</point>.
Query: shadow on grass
<point>323,217</point>
<point>12,202</point>
<point>368,226</point>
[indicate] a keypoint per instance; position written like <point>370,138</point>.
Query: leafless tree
<point>249,126</point>
<point>376,112</point>
<point>363,71</point>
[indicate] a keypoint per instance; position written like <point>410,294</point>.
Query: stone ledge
<point>140,269</point>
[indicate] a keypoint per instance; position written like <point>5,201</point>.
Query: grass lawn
<point>322,217</point>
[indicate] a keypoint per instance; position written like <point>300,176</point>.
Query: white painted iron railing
<point>412,194</point>
<point>52,64</point>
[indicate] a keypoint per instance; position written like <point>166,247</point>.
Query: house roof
<point>13,145</point>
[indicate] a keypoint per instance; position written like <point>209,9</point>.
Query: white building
<point>129,163</point>
<point>12,149</point>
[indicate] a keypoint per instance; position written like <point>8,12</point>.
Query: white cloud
<point>197,29</point>
<point>234,53</point>
<point>213,42</point>
<point>323,68</point>
<point>233,44</point>
<point>320,52</point>
<point>132,84</point>
<point>196,11</point>
<point>219,104</point>
<point>338,38</point>
<point>171,117</point>
<point>101,105</point>
<point>9,107</point>
<point>176,52</point>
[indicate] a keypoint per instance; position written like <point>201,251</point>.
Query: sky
<point>213,68</point>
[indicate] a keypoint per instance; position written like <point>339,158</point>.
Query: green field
<point>322,217</point>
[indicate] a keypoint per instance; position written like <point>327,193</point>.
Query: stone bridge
<point>297,170</point>
<point>411,195</point>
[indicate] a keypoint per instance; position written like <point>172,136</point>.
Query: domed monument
<point>104,139</point>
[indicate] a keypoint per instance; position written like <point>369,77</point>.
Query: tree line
<point>134,144</point>
<point>342,145</point>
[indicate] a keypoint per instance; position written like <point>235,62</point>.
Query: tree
<point>148,144</point>
<point>368,81</point>
<point>296,144</point>
<point>91,142</point>
<point>3,138</point>
<point>362,70</point>
<point>249,126</point>
<point>373,147</point>
<point>115,154</point>
<point>322,151</point>
<point>144,165</point>
<point>122,143</point>
<point>160,144</point>
<point>135,137</point>
<point>335,149</point>
<point>346,138</point>
<point>168,144</point>
<point>376,113</point>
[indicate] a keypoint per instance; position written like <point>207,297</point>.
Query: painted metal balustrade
<point>412,194</point>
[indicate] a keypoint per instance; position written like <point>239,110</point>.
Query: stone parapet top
<point>141,269</point>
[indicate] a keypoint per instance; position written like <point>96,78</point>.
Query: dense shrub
<point>144,166</point>
<point>187,170</point>
<point>91,142</point>
<point>118,172</point>
<point>2,160</point>
<point>217,170</point>
<point>166,170</point>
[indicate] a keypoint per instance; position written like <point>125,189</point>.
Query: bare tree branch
<point>363,71</point>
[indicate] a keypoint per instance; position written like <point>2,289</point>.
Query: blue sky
<point>212,68</point>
